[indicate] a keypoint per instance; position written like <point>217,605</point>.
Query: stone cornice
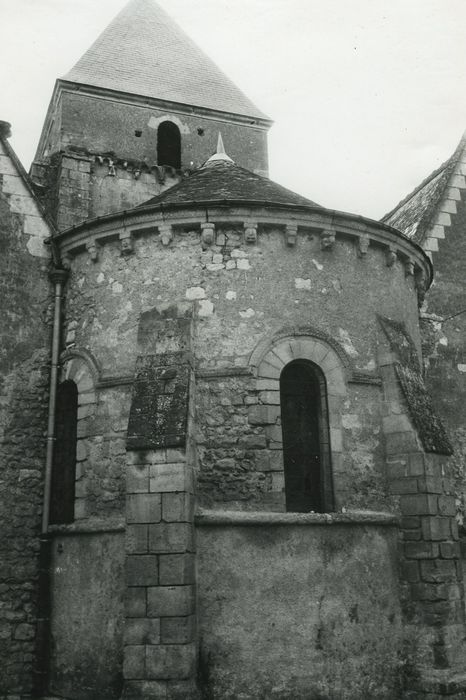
<point>216,518</point>
<point>177,107</point>
<point>122,97</point>
<point>171,221</point>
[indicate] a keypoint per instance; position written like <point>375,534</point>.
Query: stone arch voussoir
<point>271,356</point>
<point>81,367</point>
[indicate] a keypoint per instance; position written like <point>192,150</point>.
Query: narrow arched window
<point>306,445</point>
<point>64,456</point>
<point>169,145</point>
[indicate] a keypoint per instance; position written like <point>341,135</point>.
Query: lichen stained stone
<point>159,406</point>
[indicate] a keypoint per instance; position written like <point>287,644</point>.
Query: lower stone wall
<point>298,606</point>
<point>23,423</point>
<point>87,614</point>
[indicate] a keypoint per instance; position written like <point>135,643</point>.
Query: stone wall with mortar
<point>242,295</point>
<point>25,328</point>
<point>444,345</point>
<point>87,185</point>
<point>108,125</point>
<point>160,649</point>
<point>303,609</point>
<point>101,437</point>
<point>432,590</point>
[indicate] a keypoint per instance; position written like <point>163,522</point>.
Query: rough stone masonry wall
<point>109,127</point>
<point>433,595</point>
<point>240,446</point>
<point>242,294</point>
<point>24,374</point>
<point>85,185</point>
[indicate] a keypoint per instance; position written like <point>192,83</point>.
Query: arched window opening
<point>306,443</point>
<point>169,145</point>
<point>64,456</point>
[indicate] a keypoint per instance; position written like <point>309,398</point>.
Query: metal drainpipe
<point>58,278</point>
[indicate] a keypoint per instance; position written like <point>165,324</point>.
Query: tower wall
<point>98,153</point>
<point>106,123</point>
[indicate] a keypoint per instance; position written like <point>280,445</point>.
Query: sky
<point>367,96</point>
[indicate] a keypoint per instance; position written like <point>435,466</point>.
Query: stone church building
<point>232,421</point>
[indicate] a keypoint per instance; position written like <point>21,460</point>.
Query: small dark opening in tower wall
<point>306,449</point>
<point>169,145</point>
<point>64,456</point>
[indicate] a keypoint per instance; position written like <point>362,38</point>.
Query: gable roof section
<point>16,186</point>
<point>144,52</point>
<point>222,181</point>
<point>417,215</point>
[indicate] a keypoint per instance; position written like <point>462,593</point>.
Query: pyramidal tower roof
<point>144,52</point>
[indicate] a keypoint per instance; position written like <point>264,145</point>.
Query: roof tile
<point>144,52</point>
<point>414,215</point>
<point>224,181</point>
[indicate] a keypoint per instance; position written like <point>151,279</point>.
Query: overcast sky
<point>368,96</point>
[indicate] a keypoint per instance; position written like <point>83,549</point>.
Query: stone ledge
<point>208,518</point>
<point>89,527</point>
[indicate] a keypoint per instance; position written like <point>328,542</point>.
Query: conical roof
<point>144,52</point>
<point>223,182</point>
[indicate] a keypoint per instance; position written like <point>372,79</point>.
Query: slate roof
<point>413,216</point>
<point>144,52</point>
<point>223,181</point>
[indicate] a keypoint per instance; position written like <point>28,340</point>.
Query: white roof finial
<point>220,146</point>
<point>220,156</point>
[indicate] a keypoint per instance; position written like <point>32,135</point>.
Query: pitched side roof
<point>415,214</point>
<point>224,181</point>
<point>17,187</point>
<point>144,52</point>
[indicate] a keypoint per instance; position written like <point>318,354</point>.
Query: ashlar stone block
<point>176,569</point>
<point>436,528</point>
<point>134,662</point>
<point>142,631</point>
<point>270,397</point>
<point>141,570</point>
<point>170,601</point>
<point>170,538</point>
<point>177,507</point>
<point>137,539</point>
<point>143,508</point>
<point>170,661</point>
<point>177,630</point>
<point>167,477</point>
<point>137,478</point>
<point>135,602</point>
<point>263,415</point>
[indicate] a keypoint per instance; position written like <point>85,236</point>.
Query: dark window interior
<point>64,456</point>
<point>169,145</point>
<point>306,446</point>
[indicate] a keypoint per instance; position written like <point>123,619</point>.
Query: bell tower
<point>139,110</point>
